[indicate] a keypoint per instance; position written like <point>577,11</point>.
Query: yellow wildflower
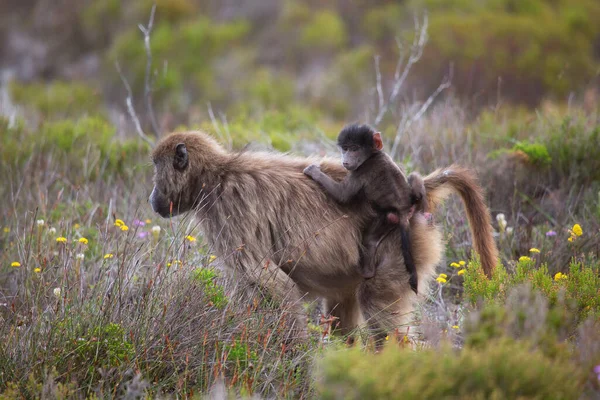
<point>148,221</point>
<point>37,270</point>
<point>524,258</point>
<point>560,276</point>
<point>76,226</point>
<point>61,239</point>
<point>83,240</point>
<point>108,255</point>
<point>190,238</point>
<point>577,230</point>
<point>571,238</point>
<point>461,272</point>
<point>119,222</point>
<point>455,265</point>
<point>462,263</point>
<point>444,276</point>
<point>557,276</point>
<point>168,264</point>
<point>387,337</point>
<point>124,228</point>
<point>534,250</point>
<point>441,280</point>
<point>212,258</point>
<point>15,264</point>
<point>6,230</point>
<point>454,326</point>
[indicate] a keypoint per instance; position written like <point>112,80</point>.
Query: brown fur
<point>276,226</point>
<point>440,183</point>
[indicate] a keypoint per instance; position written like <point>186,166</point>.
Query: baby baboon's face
<point>168,197</point>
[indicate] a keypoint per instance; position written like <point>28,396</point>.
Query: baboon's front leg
<point>269,276</point>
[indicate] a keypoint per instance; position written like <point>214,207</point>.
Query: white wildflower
<point>501,221</point>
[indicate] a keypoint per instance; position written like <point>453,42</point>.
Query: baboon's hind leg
<point>386,300</point>
<point>346,313</point>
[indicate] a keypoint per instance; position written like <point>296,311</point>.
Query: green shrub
<point>278,128</point>
<point>325,31</point>
<point>502,369</point>
<point>536,48</point>
<point>69,135</point>
<point>87,349</point>
<point>14,149</point>
<point>270,91</point>
<point>57,99</point>
<point>574,146</point>
<point>214,292</point>
<point>382,23</point>
<point>190,48</point>
<point>579,287</point>
<point>239,354</point>
<point>536,153</point>
<point>100,19</point>
<point>169,10</point>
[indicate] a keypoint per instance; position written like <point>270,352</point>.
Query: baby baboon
<point>374,177</point>
<point>258,211</point>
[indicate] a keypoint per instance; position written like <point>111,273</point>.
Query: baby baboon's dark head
<point>357,143</point>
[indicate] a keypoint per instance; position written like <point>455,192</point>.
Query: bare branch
<point>379,88</point>
<point>446,82</point>
<point>147,79</point>
<point>401,73</point>
<point>406,122</point>
<point>131,109</point>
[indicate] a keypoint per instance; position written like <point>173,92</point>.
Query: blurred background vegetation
<point>293,56</point>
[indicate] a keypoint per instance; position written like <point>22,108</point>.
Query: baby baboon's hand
<point>312,170</point>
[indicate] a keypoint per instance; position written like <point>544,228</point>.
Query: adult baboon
<point>277,227</point>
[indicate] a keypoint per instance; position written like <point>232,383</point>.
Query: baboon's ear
<point>377,142</point>
<point>180,162</point>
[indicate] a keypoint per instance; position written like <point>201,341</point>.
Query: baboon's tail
<point>440,183</point>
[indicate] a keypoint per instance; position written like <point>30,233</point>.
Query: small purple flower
<point>597,370</point>
<point>137,222</point>
<point>550,233</point>
<point>143,234</point>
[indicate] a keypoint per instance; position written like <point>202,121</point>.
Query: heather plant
<point>517,349</point>
<point>578,286</point>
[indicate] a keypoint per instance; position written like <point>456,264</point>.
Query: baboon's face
<point>169,196</point>
<point>353,155</point>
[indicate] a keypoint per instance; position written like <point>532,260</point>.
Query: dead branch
<point>131,109</point>
<point>402,70</point>
<point>147,79</point>
<point>409,118</point>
